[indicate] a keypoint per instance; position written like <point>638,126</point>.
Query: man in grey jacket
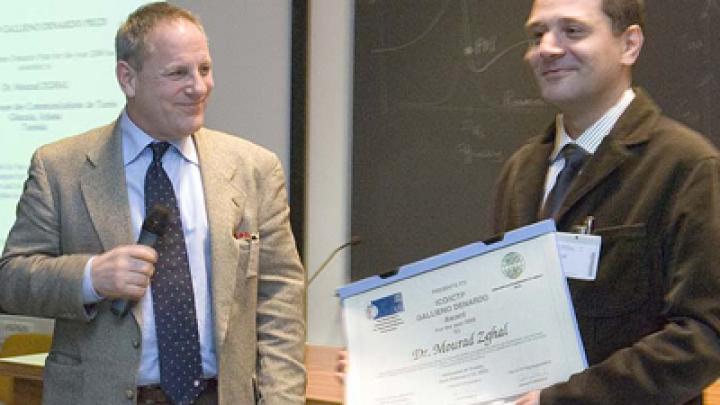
<point>216,306</point>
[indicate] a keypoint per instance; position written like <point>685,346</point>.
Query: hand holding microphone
<point>123,273</point>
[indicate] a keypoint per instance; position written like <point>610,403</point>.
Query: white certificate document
<point>481,324</point>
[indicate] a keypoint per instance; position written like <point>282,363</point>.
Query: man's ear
<point>633,40</point>
<point>126,77</point>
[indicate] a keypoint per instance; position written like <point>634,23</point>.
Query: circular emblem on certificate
<point>512,265</point>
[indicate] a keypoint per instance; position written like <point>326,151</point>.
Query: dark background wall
<point>442,98</point>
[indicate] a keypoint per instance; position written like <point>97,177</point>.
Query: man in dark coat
<point>650,320</point>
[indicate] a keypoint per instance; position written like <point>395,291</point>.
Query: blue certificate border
<point>453,256</point>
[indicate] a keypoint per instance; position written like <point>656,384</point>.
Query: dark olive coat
<point>650,322</point>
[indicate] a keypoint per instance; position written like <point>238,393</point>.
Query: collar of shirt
<point>135,140</point>
<point>591,138</point>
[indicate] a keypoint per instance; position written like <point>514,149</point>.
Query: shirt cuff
<point>90,296</point>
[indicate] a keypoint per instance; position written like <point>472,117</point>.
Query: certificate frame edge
<point>446,258</point>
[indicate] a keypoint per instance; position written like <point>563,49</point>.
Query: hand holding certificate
<point>480,324</point>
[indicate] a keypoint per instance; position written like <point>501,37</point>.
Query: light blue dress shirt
<point>181,164</point>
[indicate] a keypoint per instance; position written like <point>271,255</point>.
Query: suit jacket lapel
<point>629,130</point>
<point>606,160</point>
<point>530,184</point>
<point>104,190</point>
<point>224,205</point>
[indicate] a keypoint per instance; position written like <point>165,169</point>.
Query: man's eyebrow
<point>572,20</point>
<point>533,25</point>
<point>563,20</point>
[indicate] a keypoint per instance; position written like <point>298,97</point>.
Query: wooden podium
<point>322,385</point>
<point>26,371</point>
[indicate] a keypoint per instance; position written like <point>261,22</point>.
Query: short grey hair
<point>131,37</point>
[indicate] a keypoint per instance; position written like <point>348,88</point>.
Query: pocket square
<point>242,235</point>
<point>248,236</point>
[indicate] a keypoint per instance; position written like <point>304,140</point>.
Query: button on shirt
<point>589,140</point>
<point>181,164</point>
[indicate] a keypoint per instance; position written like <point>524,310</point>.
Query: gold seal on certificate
<point>477,325</point>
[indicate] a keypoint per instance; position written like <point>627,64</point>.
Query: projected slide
<point>57,64</point>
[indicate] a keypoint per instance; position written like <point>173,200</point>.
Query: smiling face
<point>579,63</point>
<point>168,95</point>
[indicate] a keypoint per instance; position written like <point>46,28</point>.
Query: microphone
<point>154,226</point>
<point>355,240</point>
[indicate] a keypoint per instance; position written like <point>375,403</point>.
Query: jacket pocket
<point>622,284</point>
<point>62,379</point>
<point>249,256</point>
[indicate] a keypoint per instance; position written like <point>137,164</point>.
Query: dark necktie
<point>173,298</point>
<point>574,156</point>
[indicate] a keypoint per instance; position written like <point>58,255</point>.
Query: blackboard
<point>441,98</point>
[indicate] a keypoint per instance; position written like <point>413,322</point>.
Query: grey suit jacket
<point>75,205</point>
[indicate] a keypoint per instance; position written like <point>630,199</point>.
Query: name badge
<point>579,255</point>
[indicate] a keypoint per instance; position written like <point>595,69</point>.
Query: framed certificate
<point>478,324</point>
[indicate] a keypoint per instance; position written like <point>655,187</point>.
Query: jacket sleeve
<point>36,278</point>
<point>674,364</point>
<point>280,307</point>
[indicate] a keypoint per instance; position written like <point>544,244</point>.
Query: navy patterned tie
<point>574,156</point>
<point>173,299</point>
